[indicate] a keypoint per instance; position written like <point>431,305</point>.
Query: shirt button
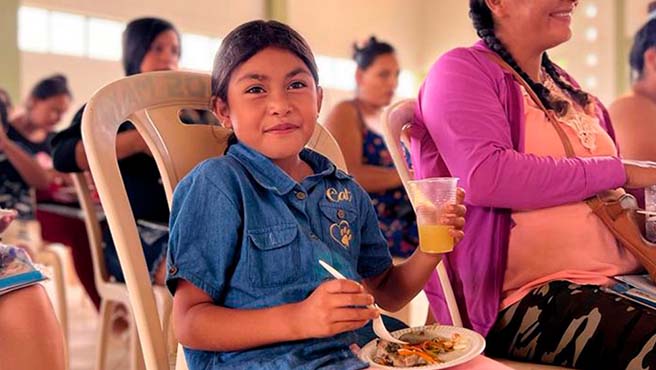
<point>341,213</point>
<point>313,236</point>
<point>173,270</point>
<point>301,195</point>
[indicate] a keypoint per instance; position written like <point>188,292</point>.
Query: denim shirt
<point>248,235</point>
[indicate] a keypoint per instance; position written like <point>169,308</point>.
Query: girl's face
<point>48,112</point>
<point>273,103</point>
<point>377,83</point>
<point>542,23</point>
<point>163,54</point>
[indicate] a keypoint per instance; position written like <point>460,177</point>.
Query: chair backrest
<point>152,102</point>
<point>92,224</point>
<point>397,122</point>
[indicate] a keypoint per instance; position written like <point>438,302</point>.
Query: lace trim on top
<point>583,123</point>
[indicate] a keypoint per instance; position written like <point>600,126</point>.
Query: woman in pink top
<point>530,271</point>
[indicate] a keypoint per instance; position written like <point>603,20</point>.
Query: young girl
<point>248,228</point>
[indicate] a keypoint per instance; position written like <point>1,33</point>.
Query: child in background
<point>248,228</point>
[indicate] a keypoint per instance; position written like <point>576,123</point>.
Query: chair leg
<point>50,257</point>
<point>106,308</point>
<point>181,362</point>
<point>167,328</point>
<point>136,355</point>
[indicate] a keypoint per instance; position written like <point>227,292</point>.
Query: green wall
<point>275,9</point>
<point>9,56</point>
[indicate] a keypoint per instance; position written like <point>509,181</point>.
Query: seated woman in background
<point>31,336</point>
<point>634,114</point>
<point>356,125</point>
<point>149,44</point>
<point>25,146</point>
<point>531,270</point>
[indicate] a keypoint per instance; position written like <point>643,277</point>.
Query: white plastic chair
<point>111,292</point>
<point>396,120</point>
<point>152,102</point>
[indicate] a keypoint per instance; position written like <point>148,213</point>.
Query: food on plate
<point>422,350</point>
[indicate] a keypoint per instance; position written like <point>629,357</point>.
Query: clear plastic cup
<point>429,198</point>
<point>650,205</point>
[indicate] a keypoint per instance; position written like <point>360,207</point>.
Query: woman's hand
<point>336,306</point>
<point>639,174</point>
<point>455,216</point>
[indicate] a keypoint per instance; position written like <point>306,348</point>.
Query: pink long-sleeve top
<point>470,123</point>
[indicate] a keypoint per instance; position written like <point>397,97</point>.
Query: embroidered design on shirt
<point>335,196</point>
<point>341,233</point>
<point>583,124</point>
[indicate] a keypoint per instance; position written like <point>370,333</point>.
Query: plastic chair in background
<point>396,121</point>
<point>111,292</point>
<point>151,102</point>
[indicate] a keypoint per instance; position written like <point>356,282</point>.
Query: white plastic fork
<point>646,213</point>
<point>379,327</point>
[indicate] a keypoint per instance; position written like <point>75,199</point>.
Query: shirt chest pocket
<point>340,225</point>
<point>274,255</point>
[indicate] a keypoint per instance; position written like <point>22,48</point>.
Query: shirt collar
<point>271,177</point>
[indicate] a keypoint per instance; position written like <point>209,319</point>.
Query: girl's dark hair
<point>644,39</point>
<point>366,55</point>
<point>250,38</point>
<point>137,37</point>
<point>54,85</point>
<point>247,40</point>
<point>481,17</point>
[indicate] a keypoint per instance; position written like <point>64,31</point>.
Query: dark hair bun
<point>365,55</point>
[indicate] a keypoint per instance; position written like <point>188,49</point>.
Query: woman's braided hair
<point>481,17</point>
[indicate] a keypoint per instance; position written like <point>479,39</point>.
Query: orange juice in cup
<point>435,238</point>
<point>429,198</point>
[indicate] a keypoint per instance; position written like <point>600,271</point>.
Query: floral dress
<point>395,214</point>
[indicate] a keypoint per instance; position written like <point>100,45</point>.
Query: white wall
<point>85,76</point>
<point>573,54</point>
<point>209,17</point>
<point>421,30</point>
<point>212,17</point>
<point>636,14</point>
<point>332,26</point>
<point>445,25</point>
